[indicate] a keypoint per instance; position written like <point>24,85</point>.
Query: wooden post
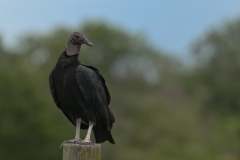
<point>90,151</point>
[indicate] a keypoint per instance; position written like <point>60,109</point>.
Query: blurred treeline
<point>164,109</point>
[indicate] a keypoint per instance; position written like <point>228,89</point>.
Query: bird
<point>80,91</point>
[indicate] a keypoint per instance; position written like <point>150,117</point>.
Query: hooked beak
<point>87,42</point>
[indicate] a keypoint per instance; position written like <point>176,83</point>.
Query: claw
<point>86,141</point>
<point>74,141</point>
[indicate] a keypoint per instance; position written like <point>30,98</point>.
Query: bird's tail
<point>102,134</point>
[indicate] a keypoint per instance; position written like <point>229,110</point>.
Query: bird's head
<point>74,42</point>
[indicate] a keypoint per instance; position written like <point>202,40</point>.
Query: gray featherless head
<point>74,42</point>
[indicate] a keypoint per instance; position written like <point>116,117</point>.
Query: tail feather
<point>102,134</point>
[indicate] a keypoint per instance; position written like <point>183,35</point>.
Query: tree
<point>33,127</point>
<point>219,69</point>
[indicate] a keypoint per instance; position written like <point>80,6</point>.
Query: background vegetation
<point>164,109</point>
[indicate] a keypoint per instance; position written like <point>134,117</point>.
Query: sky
<point>170,25</point>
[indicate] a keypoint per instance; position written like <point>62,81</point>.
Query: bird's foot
<point>74,141</point>
<point>86,140</point>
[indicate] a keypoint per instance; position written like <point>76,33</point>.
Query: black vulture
<point>80,92</point>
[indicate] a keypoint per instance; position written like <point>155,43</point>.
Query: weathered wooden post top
<point>87,151</point>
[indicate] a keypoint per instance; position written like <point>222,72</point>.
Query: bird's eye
<point>76,36</point>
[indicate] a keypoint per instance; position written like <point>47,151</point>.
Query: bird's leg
<point>78,127</point>
<point>87,138</point>
<point>77,139</point>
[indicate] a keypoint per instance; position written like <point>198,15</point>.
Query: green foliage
<point>162,110</point>
<point>219,72</point>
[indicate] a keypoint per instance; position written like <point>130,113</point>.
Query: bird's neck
<point>66,60</point>
<point>72,49</point>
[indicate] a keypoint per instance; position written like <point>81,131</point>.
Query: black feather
<point>80,92</point>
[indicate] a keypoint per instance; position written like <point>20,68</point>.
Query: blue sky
<point>169,24</point>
